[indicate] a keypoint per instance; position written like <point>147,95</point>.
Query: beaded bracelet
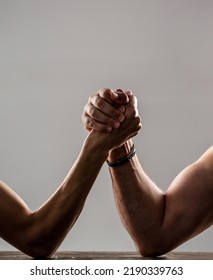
<point>123,160</point>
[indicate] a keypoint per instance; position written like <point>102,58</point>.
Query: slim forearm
<point>53,220</point>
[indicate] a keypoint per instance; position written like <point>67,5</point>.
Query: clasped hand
<point>112,117</point>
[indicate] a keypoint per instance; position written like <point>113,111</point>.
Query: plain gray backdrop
<point>54,54</point>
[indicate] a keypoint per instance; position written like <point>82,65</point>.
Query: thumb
<point>129,92</point>
<point>120,97</point>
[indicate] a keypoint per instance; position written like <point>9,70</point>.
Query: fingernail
<point>109,129</point>
<point>129,92</point>
<point>116,125</point>
<point>122,109</point>
<point>121,118</point>
<point>115,93</point>
<point>119,90</point>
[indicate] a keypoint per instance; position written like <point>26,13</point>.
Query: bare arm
<point>40,233</point>
<point>160,222</point>
<point>157,221</point>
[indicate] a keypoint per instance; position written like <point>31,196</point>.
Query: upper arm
<point>189,201</point>
<point>195,182</point>
<point>206,163</point>
<point>14,215</point>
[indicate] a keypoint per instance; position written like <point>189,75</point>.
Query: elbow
<point>151,252</point>
<point>41,255</point>
<point>38,242</point>
<point>39,251</point>
<point>35,239</point>
<point>150,249</point>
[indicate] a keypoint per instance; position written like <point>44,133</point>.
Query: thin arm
<point>40,233</point>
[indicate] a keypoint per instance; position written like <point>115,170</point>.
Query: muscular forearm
<point>139,200</point>
<point>160,222</point>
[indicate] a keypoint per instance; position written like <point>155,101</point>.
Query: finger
<point>108,94</point>
<point>131,107</point>
<point>122,97</point>
<point>138,123</point>
<point>108,111</point>
<point>92,124</point>
<point>129,93</point>
<point>135,125</point>
<point>98,115</point>
<point>116,98</point>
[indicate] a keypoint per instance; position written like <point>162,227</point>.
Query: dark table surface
<point>67,255</point>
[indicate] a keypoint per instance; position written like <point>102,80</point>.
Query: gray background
<point>54,54</point>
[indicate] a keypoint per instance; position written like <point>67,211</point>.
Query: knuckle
<point>92,111</point>
<point>133,112</point>
<point>85,109</point>
<point>91,97</point>
<point>117,115</point>
<point>99,102</point>
<point>138,120</point>
<point>137,124</point>
<point>105,94</point>
<point>114,114</point>
<point>134,100</point>
<point>83,113</point>
<point>89,122</point>
<point>112,123</point>
<point>84,117</point>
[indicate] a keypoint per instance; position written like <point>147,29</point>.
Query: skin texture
<point>158,222</point>
<point>40,233</point>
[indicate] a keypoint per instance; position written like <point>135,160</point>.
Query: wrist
<point>120,152</point>
<point>93,145</point>
<point>121,161</point>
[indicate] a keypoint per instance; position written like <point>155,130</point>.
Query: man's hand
<point>105,110</point>
<point>127,129</point>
